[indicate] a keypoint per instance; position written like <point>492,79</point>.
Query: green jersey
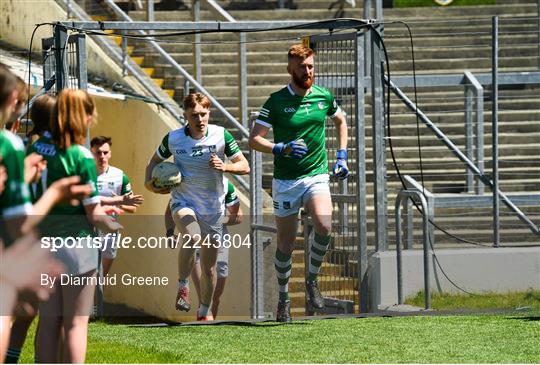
<point>74,161</point>
<point>293,117</point>
<point>231,198</point>
<point>15,199</point>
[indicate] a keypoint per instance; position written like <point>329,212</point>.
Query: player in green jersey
<point>297,114</point>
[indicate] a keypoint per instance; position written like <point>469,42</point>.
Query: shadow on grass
<point>526,319</point>
<point>123,315</point>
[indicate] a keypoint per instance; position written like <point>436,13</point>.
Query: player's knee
<point>208,271</point>
<point>323,228</point>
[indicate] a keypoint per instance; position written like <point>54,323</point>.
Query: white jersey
<point>202,188</point>
<point>113,182</point>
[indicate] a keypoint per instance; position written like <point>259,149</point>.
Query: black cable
<point>394,161</point>
<point>357,24</point>
<point>388,125</point>
<point>30,73</point>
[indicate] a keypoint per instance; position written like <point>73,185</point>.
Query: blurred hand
<point>132,199</point>
<point>69,189</point>
<point>111,225</point>
<point>112,209</point>
<point>3,178</point>
<point>34,165</point>
<point>24,262</point>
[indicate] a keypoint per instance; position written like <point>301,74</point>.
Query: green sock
<point>12,355</point>
<point>283,265</point>
<point>317,250</point>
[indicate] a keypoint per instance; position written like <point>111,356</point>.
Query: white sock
<point>203,310</point>
<point>183,283</point>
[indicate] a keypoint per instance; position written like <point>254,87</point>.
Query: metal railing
<point>469,201</point>
<point>462,157</point>
<point>419,197</point>
<point>170,60</point>
<point>132,67</point>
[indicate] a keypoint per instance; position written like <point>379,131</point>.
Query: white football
<point>167,175</point>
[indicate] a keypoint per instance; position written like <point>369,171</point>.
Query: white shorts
<point>290,195</point>
<point>222,264</point>
<point>110,248</point>
<point>210,225</point>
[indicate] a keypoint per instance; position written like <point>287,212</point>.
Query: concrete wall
<point>476,270</point>
<point>136,131</point>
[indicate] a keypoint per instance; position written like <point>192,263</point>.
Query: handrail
<point>473,85</point>
<point>133,68</point>
<point>410,194</point>
<point>180,69</point>
<point>456,151</point>
<point>220,11</point>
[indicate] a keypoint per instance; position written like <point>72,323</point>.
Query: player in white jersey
<point>198,203</point>
<point>233,216</point>
<point>114,188</point>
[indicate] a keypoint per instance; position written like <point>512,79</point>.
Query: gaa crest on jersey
<point>321,105</point>
<point>110,185</point>
<point>212,149</point>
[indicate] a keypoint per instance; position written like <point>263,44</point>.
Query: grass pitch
<point>488,338</point>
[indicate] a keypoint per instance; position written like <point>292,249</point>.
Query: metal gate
<point>64,61</point>
<point>339,67</point>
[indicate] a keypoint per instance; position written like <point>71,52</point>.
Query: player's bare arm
<point>238,165</point>
<point>234,215</point>
<point>257,139</point>
<point>341,126</point>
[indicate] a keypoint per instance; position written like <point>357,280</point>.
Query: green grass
<point>414,3</point>
<point>419,339</point>
<point>512,300</point>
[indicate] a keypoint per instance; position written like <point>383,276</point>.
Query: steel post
<point>82,67</point>
<point>124,54</point>
<point>61,46</point>
<point>410,225</point>
<point>469,136</point>
<point>256,249</point>
<point>495,126</point>
<point>379,153</point>
<point>150,16</point>
<point>197,59</point>
<point>413,194</point>
<point>367,39</point>
<point>242,80</point>
<point>360,138</point>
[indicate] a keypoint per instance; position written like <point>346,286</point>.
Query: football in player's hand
<point>167,175</point>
